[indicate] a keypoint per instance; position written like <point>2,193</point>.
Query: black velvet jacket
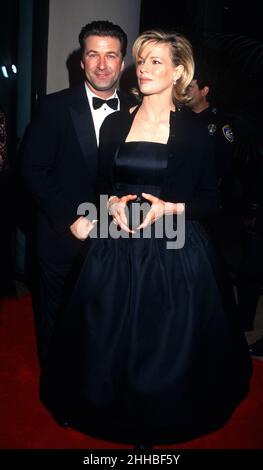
<point>190,174</point>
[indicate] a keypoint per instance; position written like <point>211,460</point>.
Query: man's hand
<point>82,227</point>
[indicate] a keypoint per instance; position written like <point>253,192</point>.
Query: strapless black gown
<point>148,349</point>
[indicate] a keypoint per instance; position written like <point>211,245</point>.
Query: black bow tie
<point>98,102</point>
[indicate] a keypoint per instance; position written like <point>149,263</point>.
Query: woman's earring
<point>174,82</point>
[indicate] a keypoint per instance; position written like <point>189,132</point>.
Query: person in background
<point>239,172</point>
<point>232,149</point>
<point>148,350</point>
<point>219,128</point>
<point>60,162</point>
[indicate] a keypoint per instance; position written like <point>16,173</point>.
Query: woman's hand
<point>117,208</point>
<point>159,208</point>
<point>82,227</point>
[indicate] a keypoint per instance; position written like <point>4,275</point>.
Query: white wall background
<point>66,19</point>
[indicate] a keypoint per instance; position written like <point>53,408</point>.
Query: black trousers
<point>51,291</point>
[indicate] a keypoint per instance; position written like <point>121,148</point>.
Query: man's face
<point>194,93</point>
<point>102,63</point>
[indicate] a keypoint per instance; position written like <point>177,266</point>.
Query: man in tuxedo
<point>60,164</point>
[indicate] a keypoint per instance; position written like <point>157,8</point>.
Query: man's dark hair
<point>103,28</point>
<point>202,76</point>
<point>205,77</point>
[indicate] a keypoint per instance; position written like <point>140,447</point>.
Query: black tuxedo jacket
<point>190,175</point>
<point>59,167</point>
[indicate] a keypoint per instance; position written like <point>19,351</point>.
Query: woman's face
<point>155,70</point>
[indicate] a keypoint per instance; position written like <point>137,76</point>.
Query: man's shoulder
<point>225,124</point>
<point>190,119</point>
<point>66,94</point>
<point>218,123</point>
<point>221,114</point>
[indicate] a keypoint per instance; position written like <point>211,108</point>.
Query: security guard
<point>225,226</point>
<point>219,127</point>
<point>239,173</point>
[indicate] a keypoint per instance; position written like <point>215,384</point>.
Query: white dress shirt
<point>101,113</point>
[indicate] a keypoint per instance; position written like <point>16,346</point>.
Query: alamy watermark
<point>170,227</point>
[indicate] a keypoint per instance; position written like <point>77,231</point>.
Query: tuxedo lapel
<point>83,124</point>
<point>84,128</point>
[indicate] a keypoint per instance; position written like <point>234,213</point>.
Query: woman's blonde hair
<point>181,54</point>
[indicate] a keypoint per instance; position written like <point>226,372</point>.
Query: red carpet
<point>25,424</point>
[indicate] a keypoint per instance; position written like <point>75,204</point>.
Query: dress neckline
<point>144,142</point>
